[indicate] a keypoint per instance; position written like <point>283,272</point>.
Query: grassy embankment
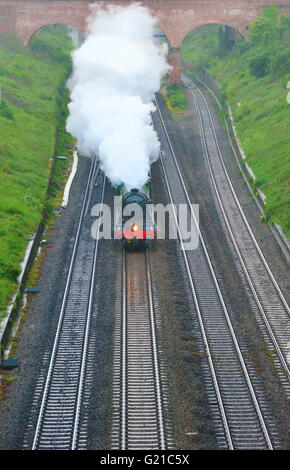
<point>33,111</point>
<point>253,76</point>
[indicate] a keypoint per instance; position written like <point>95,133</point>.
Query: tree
<point>259,66</point>
<point>284,26</point>
<point>227,39</point>
<point>280,63</point>
<point>263,31</point>
<point>5,110</point>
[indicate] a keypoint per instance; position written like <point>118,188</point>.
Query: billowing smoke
<point>116,72</point>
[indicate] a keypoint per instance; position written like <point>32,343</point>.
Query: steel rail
<point>45,393</point>
<point>283,300</point>
<point>96,169</point>
<point>141,406</point>
<point>86,339</point>
<point>232,236</point>
<point>124,357</point>
<point>202,327</point>
<point>272,227</point>
<point>155,358</point>
<point>227,317</point>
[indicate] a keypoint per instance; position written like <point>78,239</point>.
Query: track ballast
<point>55,415</point>
<point>139,384</point>
<point>240,414</point>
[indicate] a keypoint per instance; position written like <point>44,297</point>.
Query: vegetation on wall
<point>33,112</point>
<point>175,100</point>
<point>253,76</point>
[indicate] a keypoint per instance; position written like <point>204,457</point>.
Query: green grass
<point>175,100</point>
<point>32,119</point>
<point>259,105</point>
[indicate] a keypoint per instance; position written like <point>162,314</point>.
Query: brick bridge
<point>174,17</point>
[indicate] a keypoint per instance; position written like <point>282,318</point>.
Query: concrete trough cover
<point>45,242</point>
<point>9,364</point>
<point>32,290</point>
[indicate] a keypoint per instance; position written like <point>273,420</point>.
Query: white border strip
<point>66,192</point>
<point>23,264</point>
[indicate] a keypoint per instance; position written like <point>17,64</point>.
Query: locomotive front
<point>136,223</point>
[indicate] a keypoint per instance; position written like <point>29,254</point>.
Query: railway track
<point>55,416</point>
<point>139,383</point>
<point>271,308</point>
<point>239,410</point>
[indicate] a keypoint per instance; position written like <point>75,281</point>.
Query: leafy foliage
<point>259,65</point>
<point>175,100</point>
<point>176,97</point>
<point>5,110</point>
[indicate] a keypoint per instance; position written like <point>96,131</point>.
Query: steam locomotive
<point>135,220</point>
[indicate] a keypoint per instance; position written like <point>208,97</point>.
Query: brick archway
<point>243,31</point>
<point>174,17</point>
<point>27,37</point>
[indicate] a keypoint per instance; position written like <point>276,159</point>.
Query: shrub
<point>5,110</point>
<point>263,31</point>
<point>176,97</point>
<point>241,47</point>
<point>280,63</point>
<point>259,66</point>
<point>284,27</point>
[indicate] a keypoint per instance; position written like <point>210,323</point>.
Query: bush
<point>259,66</point>
<point>263,31</point>
<point>5,110</point>
<point>280,63</point>
<point>284,27</point>
<point>241,47</point>
<point>176,97</point>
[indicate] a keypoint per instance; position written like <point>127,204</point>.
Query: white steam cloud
<point>116,72</point>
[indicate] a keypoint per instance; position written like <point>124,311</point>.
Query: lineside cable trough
<point>9,364</point>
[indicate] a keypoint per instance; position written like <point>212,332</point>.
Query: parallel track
<point>240,417</point>
<point>270,302</point>
<point>138,419</point>
<point>56,408</point>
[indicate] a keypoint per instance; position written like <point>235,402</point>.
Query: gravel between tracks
<point>37,329</point>
<point>186,140</point>
<point>189,407</point>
